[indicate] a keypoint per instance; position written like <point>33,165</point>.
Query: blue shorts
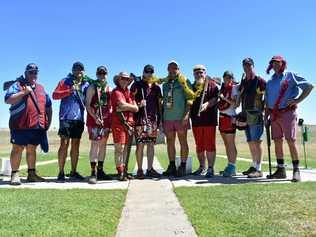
<point>254,132</point>
<point>25,137</point>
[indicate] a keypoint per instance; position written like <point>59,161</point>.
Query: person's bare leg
<point>150,155</point>
<point>31,156</point>
<point>74,153</point>
<point>62,153</point>
<point>16,156</point>
<point>102,149</point>
<point>118,154</point>
<point>171,145</point>
<point>202,158</point>
<point>230,146</point>
<point>278,147</point>
<point>293,149</point>
<point>184,148</point>
<point>94,148</point>
<point>139,156</point>
<point>211,155</point>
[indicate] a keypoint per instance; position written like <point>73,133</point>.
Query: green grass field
<point>26,212</point>
<point>229,210</point>
<point>251,210</point>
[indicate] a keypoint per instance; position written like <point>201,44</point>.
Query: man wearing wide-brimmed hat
<point>122,121</point>
<point>282,97</point>
<point>30,118</point>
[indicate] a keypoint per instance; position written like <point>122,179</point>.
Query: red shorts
<point>204,138</point>
<point>120,135</point>
<point>226,124</point>
<point>285,125</point>
<point>175,126</point>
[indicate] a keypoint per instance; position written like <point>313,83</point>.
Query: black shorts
<point>24,137</point>
<point>70,128</point>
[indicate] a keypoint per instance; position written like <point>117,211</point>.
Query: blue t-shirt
<point>295,82</point>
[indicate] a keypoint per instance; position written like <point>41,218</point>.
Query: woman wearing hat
<point>148,97</point>
<point>282,97</point>
<point>122,121</point>
<point>227,107</point>
<point>98,122</point>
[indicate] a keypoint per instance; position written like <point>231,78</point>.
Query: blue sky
<point>126,35</point>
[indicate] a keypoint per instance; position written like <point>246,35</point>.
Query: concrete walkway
<point>152,210</point>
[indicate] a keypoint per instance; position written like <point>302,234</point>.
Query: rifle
<point>203,96</point>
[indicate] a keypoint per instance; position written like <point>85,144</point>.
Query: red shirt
<point>120,95</point>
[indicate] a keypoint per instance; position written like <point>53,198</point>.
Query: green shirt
<point>178,109</point>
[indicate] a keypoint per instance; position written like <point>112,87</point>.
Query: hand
<point>221,96</point>
<point>292,102</point>
<point>204,106</point>
<point>118,109</point>
<point>185,120</point>
<point>98,121</point>
<point>27,90</point>
<point>142,103</point>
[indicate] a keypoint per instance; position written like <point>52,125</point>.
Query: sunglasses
<point>102,73</point>
<point>124,78</point>
<point>151,72</point>
<point>33,72</point>
<point>199,72</point>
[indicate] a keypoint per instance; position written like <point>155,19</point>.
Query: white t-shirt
<point>231,111</point>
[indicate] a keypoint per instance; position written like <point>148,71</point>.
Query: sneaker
<point>296,175</point>
<point>280,173</point>
<point>92,179</point>
<point>15,179</point>
<point>255,174</point>
<point>152,173</point>
<point>121,177</point>
<point>181,171</point>
<point>75,176</point>
<point>199,171</point>
<point>209,173</point>
<point>61,177</point>
<point>171,171</point>
<point>250,170</point>
<point>101,175</point>
<point>33,177</point>
<point>140,174</point>
<point>229,171</point>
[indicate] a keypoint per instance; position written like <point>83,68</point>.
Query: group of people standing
<point>137,108</point>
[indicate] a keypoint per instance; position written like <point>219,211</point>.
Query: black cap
<point>149,68</point>
<point>78,65</point>
<point>102,69</point>
<point>31,67</point>
<point>248,61</point>
<point>228,73</point>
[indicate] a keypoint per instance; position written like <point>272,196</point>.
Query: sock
<point>254,164</point>
<point>30,170</point>
<point>93,164</point>
<point>231,164</point>
<point>280,163</point>
<point>183,164</point>
<point>295,164</point>
<point>100,165</point>
<point>172,163</point>
<point>210,167</point>
<point>258,166</point>
<point>14,171</point>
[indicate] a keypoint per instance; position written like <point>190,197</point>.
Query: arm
<point>49,113</point>
<point>124,106</point>
<point>62,91</point>
<point>16,93</point>
<point>302,96</point>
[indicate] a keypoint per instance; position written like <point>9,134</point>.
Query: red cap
<point>277,58</point>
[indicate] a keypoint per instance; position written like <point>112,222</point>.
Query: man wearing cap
<point>148,97</point>
<point>122,122</point>
<point>176,112</point>
<point>30,118</point>
<point>282,97</point>
<point>251,90</point>
<point>71,91</point>
<point>204,120</point>
<point>99,111</point>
